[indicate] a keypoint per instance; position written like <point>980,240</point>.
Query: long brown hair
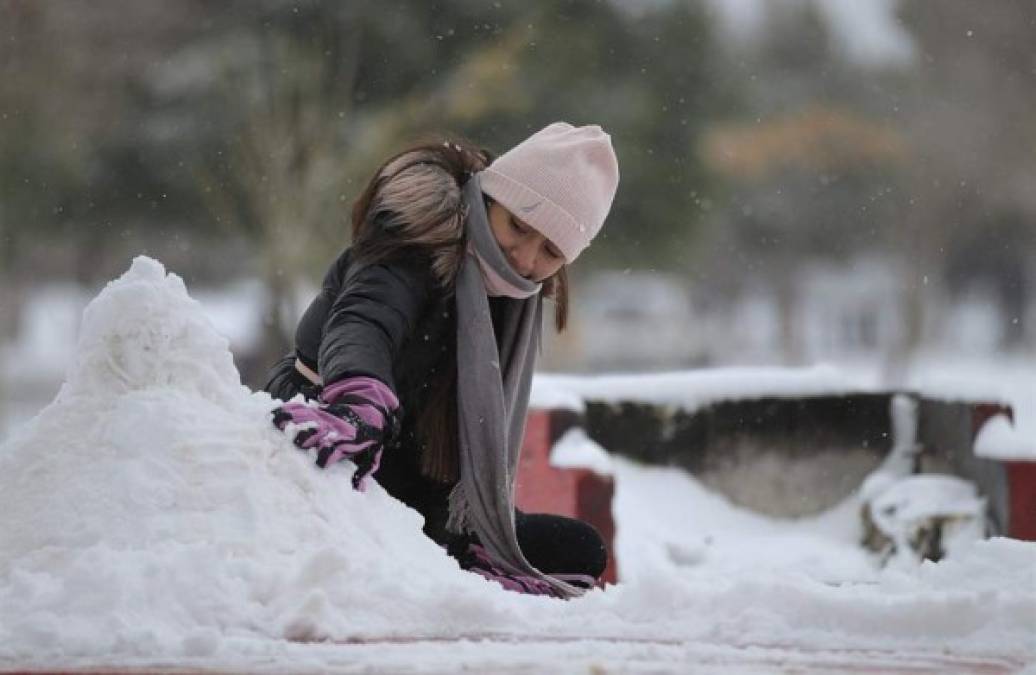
<point>414,201</point>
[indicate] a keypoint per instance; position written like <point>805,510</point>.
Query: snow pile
<point>577,450</point>
<point>153,508</point>
<point>153,517</point>
<point>999,439</point>
<point>928,514</point>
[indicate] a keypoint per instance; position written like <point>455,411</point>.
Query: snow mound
<point>144,332</point>
<point>930,514</point>
<point>999,439</point>
<point>576,450</point>
<point>153,507</point>
<point>154,518</point>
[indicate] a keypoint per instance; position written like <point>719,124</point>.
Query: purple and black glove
<point>354,418</point>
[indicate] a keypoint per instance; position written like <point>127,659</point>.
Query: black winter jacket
<point>391,321</point>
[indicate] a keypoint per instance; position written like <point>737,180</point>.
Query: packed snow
<point>1008,380</point>
<point>692,390</point>
<point>1000,439</point>
<point>154,518</point>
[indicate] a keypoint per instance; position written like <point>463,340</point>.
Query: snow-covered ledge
<point>692,389</point>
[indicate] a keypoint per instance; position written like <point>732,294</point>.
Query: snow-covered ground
<point>154,519</point>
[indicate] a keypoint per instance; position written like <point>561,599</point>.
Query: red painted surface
<point>1021,478</point>
<point>576,493</point>
<point>1021,500</point>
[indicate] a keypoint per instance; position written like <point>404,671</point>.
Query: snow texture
<point>692,390</point>
<point>577,450</point>
<point>1010,380</point>
<point>904,509</point>
<point>999,439</point>
<point>154,518</point>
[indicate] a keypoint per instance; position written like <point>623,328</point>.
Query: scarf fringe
<point>459,520</point>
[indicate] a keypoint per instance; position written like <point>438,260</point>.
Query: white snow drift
<point>153,515</point>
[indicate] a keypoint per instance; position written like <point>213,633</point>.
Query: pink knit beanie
<point>561,181</point>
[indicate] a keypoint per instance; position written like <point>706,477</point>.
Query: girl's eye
<point>516,227</point>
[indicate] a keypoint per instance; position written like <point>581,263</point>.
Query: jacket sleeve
<point>368,323</point>
<point>310,330</point>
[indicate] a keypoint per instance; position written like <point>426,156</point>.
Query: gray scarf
<point>493,384</point>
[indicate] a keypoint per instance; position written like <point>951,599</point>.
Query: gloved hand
<point>476,559</point>
<point>353,418</point>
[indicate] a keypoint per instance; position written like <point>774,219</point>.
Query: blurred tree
<point>78,152</point>
<point>275,178</point>
<point>972,215</point>
<point>507,71</point>
<point>809,167</point>
<point>153,86</point>
<point>645,78</point>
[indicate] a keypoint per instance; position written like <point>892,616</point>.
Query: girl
<point>416,357</point>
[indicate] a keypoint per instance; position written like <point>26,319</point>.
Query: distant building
<point>849,312</point>
<point>852,312</point>
<point>628,321</point>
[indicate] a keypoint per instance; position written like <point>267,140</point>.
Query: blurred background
<point>803,181</point>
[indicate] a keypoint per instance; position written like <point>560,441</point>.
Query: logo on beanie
<point>531,208</point>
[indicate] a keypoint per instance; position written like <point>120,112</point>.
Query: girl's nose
<point>523,259</point>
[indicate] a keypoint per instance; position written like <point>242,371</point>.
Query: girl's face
<point>530,253</point>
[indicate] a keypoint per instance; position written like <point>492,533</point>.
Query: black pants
<point>560,545</point>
